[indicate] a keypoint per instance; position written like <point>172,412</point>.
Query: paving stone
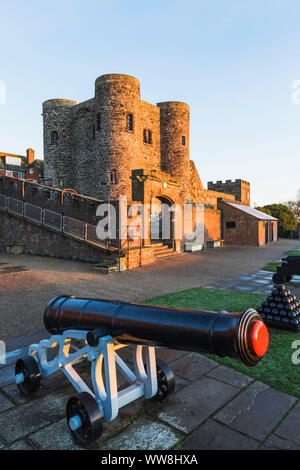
<point>188,408</point>
<point>192,366</point>
<point>21,445</point>
<point>276,443</point>
<point>215,436</point>
<point>20,421</point>
<point>253,411</point>
<point>230,376</point>
<point>289,428</point>
<point>54,437</point>
<point>243,288</point>
<point>12,356</point>
<point>48,386</point>
<point>144,434</point>
<point>169,355</point>
<point>5,404</point>
<point>7,375</point>
<point>262,281</point>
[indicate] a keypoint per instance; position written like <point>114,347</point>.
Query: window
<point>129,122</point>
<point>230,224</point>
<point>54,138</point>
<point>94,132</point>
<point>13,161</point>
<point>147,136</point>
<point>183,140</point>
<point>114,177</point>
<point>98,122</point>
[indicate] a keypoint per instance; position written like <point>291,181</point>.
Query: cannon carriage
<point>103,327</point>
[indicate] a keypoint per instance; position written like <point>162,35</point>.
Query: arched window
<point>54,138</point>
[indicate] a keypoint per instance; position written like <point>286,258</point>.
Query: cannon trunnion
<point>103,327</point>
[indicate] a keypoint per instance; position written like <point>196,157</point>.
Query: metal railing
<point>32,212</point>
<point>54,220</point>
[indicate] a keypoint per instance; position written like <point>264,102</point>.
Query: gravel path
<point>25,293</point>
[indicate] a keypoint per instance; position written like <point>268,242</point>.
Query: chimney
<point>30,156</point>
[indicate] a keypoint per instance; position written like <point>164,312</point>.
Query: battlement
<point>237,181</point>
<point>239,188</point>
<point>112,134</point>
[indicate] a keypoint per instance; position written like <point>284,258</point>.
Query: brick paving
<point>213,406</point>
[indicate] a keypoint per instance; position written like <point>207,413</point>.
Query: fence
<point>54,220</point>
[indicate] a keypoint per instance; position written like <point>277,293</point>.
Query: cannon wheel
<point>86,408</point>
<point>165,380</point>
<point>32,377</point>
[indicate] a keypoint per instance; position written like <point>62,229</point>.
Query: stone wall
<point>77,207</point>
<point>239,188</point>
<point>96,152</point>
<point>248,230</point>
<point>41,241</point>
<point>58,166</point>
<point>175,153</point>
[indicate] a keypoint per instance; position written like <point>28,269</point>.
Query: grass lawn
<point>272,266</point>
<point>276,368</point>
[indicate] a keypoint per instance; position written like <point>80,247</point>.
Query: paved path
<point>213,407</point>
<point>24,294</point>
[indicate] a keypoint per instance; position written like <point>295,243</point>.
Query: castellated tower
<point>117,105</point>
<point>238,188</point>
<point>175,147</point>
<point>58,142</point>
<point>95,146</point>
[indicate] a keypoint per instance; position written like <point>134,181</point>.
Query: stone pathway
<point>259,282</point>
<point>213,406</point>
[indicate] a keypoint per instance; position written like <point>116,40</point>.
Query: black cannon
<point>284,272</point>
<point>105,327</point>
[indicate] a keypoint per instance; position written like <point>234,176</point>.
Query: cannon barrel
<point>239,335</point>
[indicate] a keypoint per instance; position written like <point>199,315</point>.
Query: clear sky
<point>233,61</point>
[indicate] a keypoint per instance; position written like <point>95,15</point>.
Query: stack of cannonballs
<point>281,309</point>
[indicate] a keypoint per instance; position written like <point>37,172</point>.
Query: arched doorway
<point>162,221</point>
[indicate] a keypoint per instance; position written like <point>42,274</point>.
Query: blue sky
<point>232,61</point>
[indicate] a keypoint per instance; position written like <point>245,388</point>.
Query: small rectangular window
<point>54,138</point>
<point>129,122</point>
<point>147,136</point>
<point>230,224</point>
<point>183,140</point>
<point>114,177</point>
<point>98,122</point>
<point>94,132</point>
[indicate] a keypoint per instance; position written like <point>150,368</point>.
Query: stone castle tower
<point>93,147</point>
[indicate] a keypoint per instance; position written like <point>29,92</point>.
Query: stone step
<point>165,250</point>
<point>162,247</point>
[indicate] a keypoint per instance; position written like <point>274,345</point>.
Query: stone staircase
<point>162,250</point>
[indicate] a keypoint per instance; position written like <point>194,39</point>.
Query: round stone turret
<point>117,100</point>
<point>57,114</point>
<point>174,134</point>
